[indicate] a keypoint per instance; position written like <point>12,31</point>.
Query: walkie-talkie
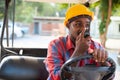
<point>86,34</point>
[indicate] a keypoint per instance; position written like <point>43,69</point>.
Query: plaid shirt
<point>59,51</point>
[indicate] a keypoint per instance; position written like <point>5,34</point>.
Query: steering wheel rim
<point>109,69</point>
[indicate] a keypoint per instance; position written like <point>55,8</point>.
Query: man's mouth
<point>79,32</point>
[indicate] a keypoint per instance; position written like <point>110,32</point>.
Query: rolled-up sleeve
<point>54,61</point>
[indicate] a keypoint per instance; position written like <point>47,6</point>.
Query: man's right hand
<point>82,44</point>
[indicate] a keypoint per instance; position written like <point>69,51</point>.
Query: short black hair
<point>79,16</point>
<point>87,4</point>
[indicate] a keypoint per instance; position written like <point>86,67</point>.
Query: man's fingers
<point>106,54</point>
<point>82,33</point>
<point>100,55</point>
<point>103,56</point>
<point>95,55</point>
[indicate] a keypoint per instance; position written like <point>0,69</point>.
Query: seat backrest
<point>23,68</point>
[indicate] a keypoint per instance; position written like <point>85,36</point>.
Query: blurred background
<point>37,23</point>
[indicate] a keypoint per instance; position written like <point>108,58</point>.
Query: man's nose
<point>84,27</point>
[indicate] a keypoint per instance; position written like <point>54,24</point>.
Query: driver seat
<point>23,68</point>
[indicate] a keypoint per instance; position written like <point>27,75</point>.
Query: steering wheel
<point>89,71</point>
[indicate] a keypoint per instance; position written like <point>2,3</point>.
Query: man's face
<point>76,27</point>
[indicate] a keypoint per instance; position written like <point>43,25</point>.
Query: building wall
<point>114,27</point>
<point>50,26</point>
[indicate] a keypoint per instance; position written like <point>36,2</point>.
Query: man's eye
<point>78,24</point>
<point>88,26</point>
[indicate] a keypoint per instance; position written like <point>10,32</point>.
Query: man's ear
<point>67,25</point>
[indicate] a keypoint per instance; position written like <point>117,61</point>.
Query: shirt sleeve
<point>54,60</point>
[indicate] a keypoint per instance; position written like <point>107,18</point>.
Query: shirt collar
<point>69,43</point>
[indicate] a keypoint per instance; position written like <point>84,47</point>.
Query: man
<point>77,20</point>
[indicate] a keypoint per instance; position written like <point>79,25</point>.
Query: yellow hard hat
<point>77,10</point>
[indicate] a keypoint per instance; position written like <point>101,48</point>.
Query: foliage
<point>2,8</point>
<point>25,11</point>
<point>48,10</point>
<point>62,9</point>
<point>116,4</point>
<point>102,27</point>
<point>116,10</point>
<point>103,12</point>
<point>95,4</point>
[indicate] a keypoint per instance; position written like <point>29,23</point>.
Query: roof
<point>64,1</point>
<point>49,19</point>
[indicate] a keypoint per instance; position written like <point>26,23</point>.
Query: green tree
<point>62,9</point>
<point>2,7</point>
<point>48,10</point>
<point>24,12</point>
<point>107,8</point>
<point>10,9</point>
<point>27,10</point>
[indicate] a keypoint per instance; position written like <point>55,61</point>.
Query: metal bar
<point>13,23</point>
